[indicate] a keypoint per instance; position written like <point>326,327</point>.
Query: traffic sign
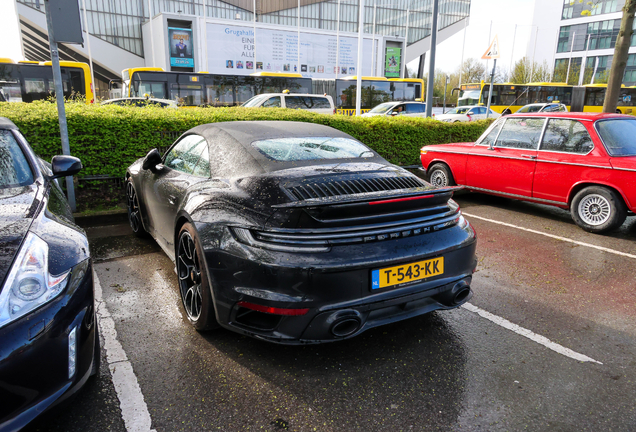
<point>493,50</point>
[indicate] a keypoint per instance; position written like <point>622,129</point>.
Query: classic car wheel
<point>439,175</point>
<point>597,209</point>
<point>194,286</point>
<point>134,212</point>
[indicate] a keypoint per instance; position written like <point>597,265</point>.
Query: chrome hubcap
<point>133,207</point>
<point>438,178</point>
<point>189,276</point>
<point>594,209</point>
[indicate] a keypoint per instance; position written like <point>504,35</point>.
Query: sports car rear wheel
<point>134,212</point>
<point>439,175</point>
<point>597,209</point>
<point>194,286</point>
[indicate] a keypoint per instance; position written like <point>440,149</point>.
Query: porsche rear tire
<point>597,209</point>
<point>194,286</point>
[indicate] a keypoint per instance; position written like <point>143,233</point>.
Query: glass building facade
<point>119,21</point>
<point>583,40</point>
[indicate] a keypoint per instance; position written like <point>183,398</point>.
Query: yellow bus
<point>203,88</point>
<point>508,97</point>
<point>375,90</point>
<point>206,89</point>
<point>28,81</point>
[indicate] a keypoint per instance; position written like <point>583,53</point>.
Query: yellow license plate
<point>402,274</point>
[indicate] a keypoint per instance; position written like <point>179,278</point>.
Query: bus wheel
<point>506,112</point>
<point>618,111</point>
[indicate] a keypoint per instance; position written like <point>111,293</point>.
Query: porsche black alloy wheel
<point>193,282</point>
<point>134,213</point>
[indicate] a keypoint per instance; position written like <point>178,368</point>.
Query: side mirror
<point>63,166</point>
<point>394,113</point>
<point>152,159</point>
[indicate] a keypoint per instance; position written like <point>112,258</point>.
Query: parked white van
<point>321,104</point>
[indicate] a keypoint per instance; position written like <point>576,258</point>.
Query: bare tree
<point>472,71</point>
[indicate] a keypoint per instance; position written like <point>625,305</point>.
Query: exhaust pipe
<point>345,327</point>
<point>345,322</point>
<point>459,294</point>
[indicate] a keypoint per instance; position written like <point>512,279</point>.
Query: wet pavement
<point>450,371</point>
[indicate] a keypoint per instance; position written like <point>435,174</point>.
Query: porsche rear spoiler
<point>372,198</point>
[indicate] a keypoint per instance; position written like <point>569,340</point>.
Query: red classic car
<point>585,162</point>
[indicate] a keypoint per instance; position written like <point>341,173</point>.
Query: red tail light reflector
<point>401,199</point>
<point>272,310</point>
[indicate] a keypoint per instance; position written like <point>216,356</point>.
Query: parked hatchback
<point>321,104</point>
<point>584,162</point>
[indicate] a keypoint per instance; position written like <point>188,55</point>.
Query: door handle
<point>528,156</point>
<point>172,199</point>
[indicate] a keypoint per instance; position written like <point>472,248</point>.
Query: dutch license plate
<point>402,274</point>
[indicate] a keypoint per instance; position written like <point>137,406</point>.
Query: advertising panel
<point>181,47</point>
<point>231,50</point>
<point>393,64</point>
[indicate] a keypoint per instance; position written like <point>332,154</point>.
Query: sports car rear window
<point>311,148</point>
<point>14,168</point>
<point>618,136</point>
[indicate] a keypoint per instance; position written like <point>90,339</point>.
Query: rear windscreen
<point>311,148</point>
<point>618,136</point>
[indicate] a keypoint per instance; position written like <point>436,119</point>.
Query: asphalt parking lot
<point>546,343</point>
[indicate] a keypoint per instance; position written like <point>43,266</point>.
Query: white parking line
<point>565,239</point>
<point>134,411</point>
<point>542,340</point>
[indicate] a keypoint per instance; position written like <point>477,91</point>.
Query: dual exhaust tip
<point>346,323</point>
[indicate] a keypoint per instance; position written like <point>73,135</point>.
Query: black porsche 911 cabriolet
<point>298,233</point>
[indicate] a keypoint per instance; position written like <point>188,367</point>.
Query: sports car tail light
<point>245,236</point>
<point>72,352</point>
<point>272,310</point>
<point>29,284</point>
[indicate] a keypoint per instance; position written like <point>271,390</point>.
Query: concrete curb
<point>103,218</point>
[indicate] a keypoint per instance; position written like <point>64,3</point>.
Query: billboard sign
<point>393,64</point>
<point>181,47</point>
<point>236,50</point>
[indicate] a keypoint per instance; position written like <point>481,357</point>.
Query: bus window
<point>418,91</point>
<point>221,91</point>
<point>35,88</point>
<point>187,94</point>
<point>153,89</point>
<point>379,92</point>
<point>245,89</point>
<point>10,91</point>
<point>595,96</point>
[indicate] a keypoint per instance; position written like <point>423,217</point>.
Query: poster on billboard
<point>392,65</point>
<point>181,47</point>
<point>235,50</point>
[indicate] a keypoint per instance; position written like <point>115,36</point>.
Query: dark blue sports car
<point>48,334</point>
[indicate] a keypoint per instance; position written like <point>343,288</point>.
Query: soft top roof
<point>5,123</point>
<point>231,145</point>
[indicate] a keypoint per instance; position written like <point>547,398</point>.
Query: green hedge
<point>109,138</point>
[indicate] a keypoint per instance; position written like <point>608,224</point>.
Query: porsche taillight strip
<point>361,236</point>
<point>400,199</point>
<point>272,310</point>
